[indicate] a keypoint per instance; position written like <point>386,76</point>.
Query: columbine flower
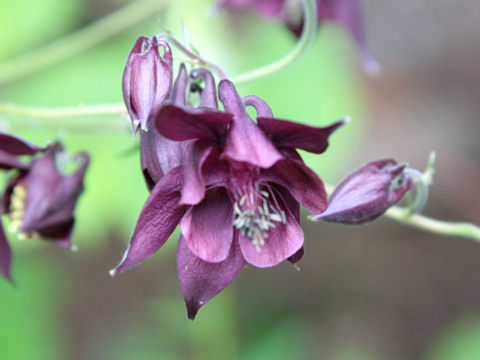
<point>11,148</point>
<point>147,79</point>
<point>40,199</point>
<point>236,196</point>
<point>348,13</point>
<point>367,193</point>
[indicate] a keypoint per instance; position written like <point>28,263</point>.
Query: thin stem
<point>79,41</point>
<point>308,33</point>
<point>9,109</point>
<point>178,44</point>
<point>463,229</point>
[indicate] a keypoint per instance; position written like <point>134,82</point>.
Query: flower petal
<point>159,217</point>
<point>159,155</point>
<point>288,134</point>
<point>305,186</point>
<point>349,13</point>
<point>208,98</point>
<point>193,190</point>
<point>200,280</point>
<point>283,241</point>
<point>180,124</point>
<point>60,233</point>
<point>8,161</point>
<point>207,227</point>
<point>51,196</point>
<point>245,142</point>
<point>5,254</point>
<point>14,145</point>
<point>179,90</point>
<point>261,107</point>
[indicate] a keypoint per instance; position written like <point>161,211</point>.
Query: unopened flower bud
<point>367,193</point>
<point>147,79</point>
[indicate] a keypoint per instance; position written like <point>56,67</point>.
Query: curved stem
<point>79,41</point>
<point>308,33</point>
<point>463,229</point>
<point>178,44</point>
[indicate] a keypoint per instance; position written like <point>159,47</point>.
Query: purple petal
<point>207,227</point>
<point>51,196</point>
<point>283,241</point>
<point>262,108</point>
<point>349,13</point>
<point>179,124</point>
<point>200,280</point>
<point>60,233</point>
<point>8,162</point>
<point>291,204</point>
<point>288,134</point>
<point>14,145</point>
<point>159,217</point>
<point>159,155</point>
<point>305,186</point>
<point>5,254</point>
<point>295,258</point>
<point>367,193</point>
<point>245,142</point>
<point>194,183</point>
<point>179,92</point>
<point>209,96</point>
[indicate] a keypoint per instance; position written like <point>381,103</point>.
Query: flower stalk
<point>308,34</point>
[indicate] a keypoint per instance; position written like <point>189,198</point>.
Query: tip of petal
<point>112,272</point>
<point>192,309</point>
<point>74,248</point>
<point>372,67</point>
<point>346,119</point>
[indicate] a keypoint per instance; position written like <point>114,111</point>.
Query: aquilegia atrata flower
<point>236,195</point>
<point>348,13</point>
<point>367,193</point>
<point>39,199</point>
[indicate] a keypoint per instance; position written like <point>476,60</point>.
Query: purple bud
<point>147,79</point>
<point>367,193</point>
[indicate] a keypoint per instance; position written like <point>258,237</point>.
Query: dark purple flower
<point>348,13</point>
<point>147,79</point>
<point>236,196</point>
<point>39,199</point>
<point>367,193</point>
<point>11,148</point>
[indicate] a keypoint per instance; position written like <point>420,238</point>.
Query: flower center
<point>254,215</point>
<point>17,207</point>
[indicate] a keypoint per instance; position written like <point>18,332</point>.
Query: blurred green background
<point>380,292</point>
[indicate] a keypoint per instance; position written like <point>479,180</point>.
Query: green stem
<point>195,57</point>
<point>80,41</point>
<point>462,229</point>
<point>308,33</point>
<point>9,109</point>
